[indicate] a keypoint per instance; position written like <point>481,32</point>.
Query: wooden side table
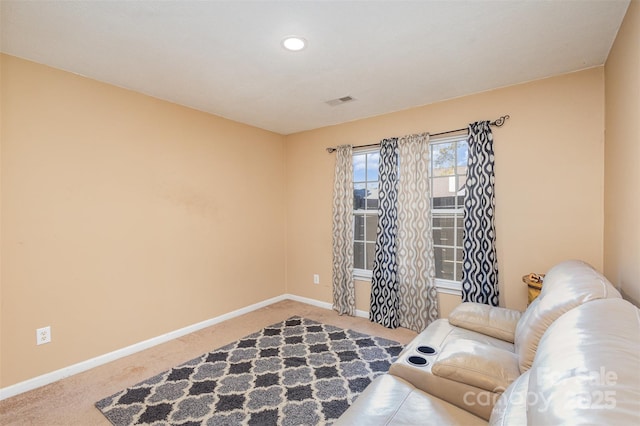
<point>534,285</point>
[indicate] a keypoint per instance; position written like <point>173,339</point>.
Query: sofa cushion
<point>587,369</point>
<point>490,320</point>
<point>389,400</point>
<point>566,285</point>
<point>479,365</point>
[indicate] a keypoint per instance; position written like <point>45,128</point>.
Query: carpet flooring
<point>295,372</point>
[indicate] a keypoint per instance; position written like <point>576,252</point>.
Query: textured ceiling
<point>225,57</point>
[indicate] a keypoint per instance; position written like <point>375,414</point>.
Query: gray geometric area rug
<point>295,372</point>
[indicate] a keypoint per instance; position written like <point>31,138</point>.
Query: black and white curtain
<point>403,291</point>
<point>480,265</point>
<point>384,283</point>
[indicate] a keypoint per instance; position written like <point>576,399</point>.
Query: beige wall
<point>125,217</point>
<point>549,179</point>
<point>622,158</point>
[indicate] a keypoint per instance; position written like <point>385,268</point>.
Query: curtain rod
<point>497,123</point>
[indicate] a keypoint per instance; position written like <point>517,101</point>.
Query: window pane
<point>463,150</point>
<point>358,256</point>
<point>441,188</point>
<point>459,265</point>
<point>365,200</point>
<point>455,185</point>
<point>359,196</point>
<point>373,160</point>
<point>444,156</point>
<point>443,231</point>
<point>448,170</point>
<point>442,198</point>
<point>444,263</point>
<point>358,227</point>
<point>372,227</point>
<point>359,167</point>
<point>459,237</point>
<point>371,254</point>
<point>372,196</point>
<point>461,189</point>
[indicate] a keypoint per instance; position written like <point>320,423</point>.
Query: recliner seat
<point>480,350</point>
<point>586,370</point>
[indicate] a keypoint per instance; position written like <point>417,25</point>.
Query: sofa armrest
<point>473,363</point>
<point>489,320</point>
<point>389,400</point>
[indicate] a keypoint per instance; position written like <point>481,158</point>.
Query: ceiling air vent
<point>340,101</point>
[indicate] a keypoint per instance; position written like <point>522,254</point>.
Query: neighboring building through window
<point>365,210</point>
<point>448,177</point>
<point>448,163</point>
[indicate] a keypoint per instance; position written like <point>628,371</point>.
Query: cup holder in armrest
<point>427,350</point>
<point>417,361</point>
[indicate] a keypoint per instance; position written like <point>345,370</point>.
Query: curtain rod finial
<point>331,150</point>
<point>500,121</point>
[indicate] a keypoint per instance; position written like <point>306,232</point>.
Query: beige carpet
<point>70,401</point>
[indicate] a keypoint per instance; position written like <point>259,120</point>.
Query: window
<point>448,175</point>
<point>365,210</point>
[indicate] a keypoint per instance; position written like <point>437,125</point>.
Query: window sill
<point>362,275</point>
<point>449,287</point>
<point>443,286</point>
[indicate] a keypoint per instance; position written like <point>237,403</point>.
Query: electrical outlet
<point>43,335</point>
<point>316,279</point>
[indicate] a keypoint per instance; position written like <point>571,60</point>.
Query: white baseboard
<point>65,372</point>
<point>62,373</point>
<point>325,305</point>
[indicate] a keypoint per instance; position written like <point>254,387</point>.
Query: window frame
<point>363,274</point>
<point>443,286</point>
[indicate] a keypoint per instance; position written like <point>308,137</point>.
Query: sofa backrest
<point>586,371</point>
<point>567,285</point>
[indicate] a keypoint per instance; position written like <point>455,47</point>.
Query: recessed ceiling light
<point>294,43</point>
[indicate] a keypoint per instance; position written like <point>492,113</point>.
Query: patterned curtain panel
<point>344,299</point>
<point>417,294</point>
<point>384,285</point>
<point>480,266</point>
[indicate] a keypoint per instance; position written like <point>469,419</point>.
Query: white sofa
<point>574,357</point>
<point>481,349</point>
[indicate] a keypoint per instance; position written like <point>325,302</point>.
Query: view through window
<point>448,168</point>
<point>365,209</point>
